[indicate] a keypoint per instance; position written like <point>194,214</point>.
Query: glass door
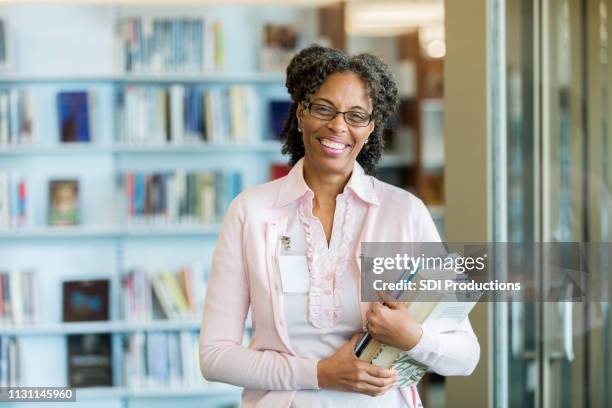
<point>557,185</point>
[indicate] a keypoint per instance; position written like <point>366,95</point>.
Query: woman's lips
<point>332,147</point>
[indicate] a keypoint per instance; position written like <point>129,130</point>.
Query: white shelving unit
<point>102,246</point>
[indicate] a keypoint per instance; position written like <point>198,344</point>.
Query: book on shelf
<point>64,206</point>
<point>10,375</point>
<point>278,170</point>
<point>174,295</point>
<point>13,200</point>
<point>85,300</point>
<point>90,360</point>
<point>279,45</point>
<point>3,46</point>
<point>18,297</point>
<point>75,116</point>
<point>16,117</point>
<point>179,197</point>
<point>162,359</point>
<point>278,111</point>
<point>171,45</point>
<point>181,114</point>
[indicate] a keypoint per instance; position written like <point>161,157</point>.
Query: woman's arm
<point>448,353</point>
<point>222,357</point>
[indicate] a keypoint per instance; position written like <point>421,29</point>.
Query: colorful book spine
<point>147,295</point>
<point>13,201</point>
<point>16,117</point>
<point>154,45</point>
<point>180,114</point>
<point>176,198</point>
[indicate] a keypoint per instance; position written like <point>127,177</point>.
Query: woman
<point>289,250</point>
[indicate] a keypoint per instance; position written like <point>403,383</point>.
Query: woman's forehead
<point>344,87</point>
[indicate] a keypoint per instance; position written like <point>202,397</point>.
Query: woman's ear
<point>298,115</point>
<point>371,127</point>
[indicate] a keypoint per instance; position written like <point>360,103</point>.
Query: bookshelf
<point>103,245</point>
<point>83,55</point>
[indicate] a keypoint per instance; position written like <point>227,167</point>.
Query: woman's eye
<point>358,117</point>
<point>324,110</point>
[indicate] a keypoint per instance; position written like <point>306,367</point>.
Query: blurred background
<point>127,127</point>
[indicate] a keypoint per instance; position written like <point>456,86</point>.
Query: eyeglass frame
<point>308,105</point>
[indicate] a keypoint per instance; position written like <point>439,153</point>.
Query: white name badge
<point>294,273</point>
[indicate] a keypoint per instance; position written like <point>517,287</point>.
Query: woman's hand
<point>393,325</point>
<point>343,371</point>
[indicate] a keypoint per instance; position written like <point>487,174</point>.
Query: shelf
<point>188,78</point>
<point>76,149</point>
<point>267,146</point>
<point>99,327</point>
<point>111,231</point>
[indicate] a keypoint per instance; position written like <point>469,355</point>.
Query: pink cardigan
<point>245,273</point>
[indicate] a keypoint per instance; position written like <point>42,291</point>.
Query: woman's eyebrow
<point>332,104</point>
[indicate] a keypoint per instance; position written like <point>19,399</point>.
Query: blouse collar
<point>293,185</point>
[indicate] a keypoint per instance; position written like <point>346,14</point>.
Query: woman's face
<point>333,145</point>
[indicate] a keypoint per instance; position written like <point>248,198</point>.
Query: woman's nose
<point>337,123</point>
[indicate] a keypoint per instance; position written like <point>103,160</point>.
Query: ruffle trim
<point>326,267</point>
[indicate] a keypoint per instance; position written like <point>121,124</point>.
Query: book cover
<point>64,202</point>
<point>278,170</point>
<point>89,360</point>
<point>279,44</point>
<point>85,300</point>
<point>278,111</point>
<point>74,116</point>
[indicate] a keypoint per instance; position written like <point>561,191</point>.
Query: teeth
<point>332,145</point>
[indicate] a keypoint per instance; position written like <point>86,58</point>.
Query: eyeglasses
<point>324,112</point>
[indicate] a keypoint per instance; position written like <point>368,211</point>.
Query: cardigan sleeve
<point>455,352</point>
<point>222,357</point>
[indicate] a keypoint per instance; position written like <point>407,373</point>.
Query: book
<point>278,170</point>
<point>444,310</point>
<point>74,116</point>
<point>64,202</point>
<point>10,375</point>
<point>85,300</point>
<point>279,45</point>
<point>13,200</point>
<point>18,297</point>
<point>16,117</point>
<point>3,46</point>
<point>278,112</point>
<point>89,360</point>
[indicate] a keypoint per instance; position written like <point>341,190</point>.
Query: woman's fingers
<point>374,385</point>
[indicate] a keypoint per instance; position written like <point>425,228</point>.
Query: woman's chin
<point>339,165</point>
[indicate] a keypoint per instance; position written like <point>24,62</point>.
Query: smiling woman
<point>289,251</point>
<point>313,77</point>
